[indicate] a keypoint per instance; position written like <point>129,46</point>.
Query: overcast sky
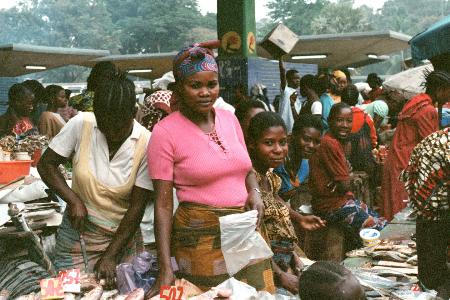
<point>211,5</point>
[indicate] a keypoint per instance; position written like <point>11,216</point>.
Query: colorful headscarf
<point>195,58</point>
<point>156,106</point>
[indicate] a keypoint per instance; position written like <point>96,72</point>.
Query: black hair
<point>115,99</point>
<point>18,92</point>
<point>261,122</point>
<point>336,109</point>
<point>102,71</point>
<point>373,77</point>
<point>244,107</point>
<point>324,280</point>
<point>434,80</point>
<point>309,81</point>
<point>323,83</point>
<point>68,93</point>
<point>347,74</point>
<point>306,121</point>
<point>171,86</point>
<point>36,88</point>
<point>291,73</point>
<point>350,95</point>
<point>51,91</point>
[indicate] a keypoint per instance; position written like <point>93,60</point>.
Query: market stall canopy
<point>150,66</point>
<point>344,50</point>
<point>21,59</point>
<point>432,42</point>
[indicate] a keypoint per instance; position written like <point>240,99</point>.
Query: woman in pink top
<point>201,152</point>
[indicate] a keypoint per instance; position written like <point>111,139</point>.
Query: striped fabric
<point>97,239</point>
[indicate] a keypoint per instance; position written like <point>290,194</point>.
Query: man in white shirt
<point>290,103</point>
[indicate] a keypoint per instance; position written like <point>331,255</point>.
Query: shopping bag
<point>241,243</point>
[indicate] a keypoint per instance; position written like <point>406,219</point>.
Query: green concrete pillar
<point>236,29</point>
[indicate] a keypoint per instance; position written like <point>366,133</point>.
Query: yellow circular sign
<point>251,42</point>
<point>231,42</point>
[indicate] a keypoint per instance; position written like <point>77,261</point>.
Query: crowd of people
<point>186,145</point>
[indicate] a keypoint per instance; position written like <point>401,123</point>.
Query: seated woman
<point>58,112</point>
<point>330,174</point>
<point>294,172</point>
<point>110,185</point>
<point>267,144</point>
<point>427,182</point>
<point>16,121</point>
<point>201,152</point>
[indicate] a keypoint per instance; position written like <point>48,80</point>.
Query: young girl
<point>294,172</point>
<point>330,176</point>
<point>267,144</point>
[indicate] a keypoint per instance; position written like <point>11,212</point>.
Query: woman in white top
<point>110,183</point>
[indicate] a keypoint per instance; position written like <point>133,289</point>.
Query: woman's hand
<point>310,223</point>
<point>254,202</point>
<point>164,279</point>
<point>289,282</point>
<point>105,268</point>
<point>77,214</point>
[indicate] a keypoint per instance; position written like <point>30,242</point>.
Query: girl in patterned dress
<point>267,144</point>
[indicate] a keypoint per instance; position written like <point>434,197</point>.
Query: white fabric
<point>409,82</point>
<point>110,173</point>
<point>220,103</point>
<point>285,110</point>
<point>147,224</point>
<point>316,108</point>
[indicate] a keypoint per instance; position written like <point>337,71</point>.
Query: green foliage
<point>410,17</point>
<point>298,15</point>
<point>121,26</point>
<point>341,17</point>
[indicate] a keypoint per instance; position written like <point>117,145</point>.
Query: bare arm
<point>306,222</point>
<point>163,233</point>
<point>254,200</point>
<point>52,177</point>
<point>282,73</point>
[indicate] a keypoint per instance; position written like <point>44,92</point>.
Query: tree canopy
<point>142,26</point>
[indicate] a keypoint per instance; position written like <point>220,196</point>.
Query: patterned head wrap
<point>156,106</point>
<point>195,58</point>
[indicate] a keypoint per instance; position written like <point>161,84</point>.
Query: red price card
<point>51,289</point>
<point>71,280</point>
<point>171,292</point>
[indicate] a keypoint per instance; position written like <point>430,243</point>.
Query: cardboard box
<point>280,41</point>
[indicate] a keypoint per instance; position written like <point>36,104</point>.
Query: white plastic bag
<point>241,243</point>
<point>25,193</point>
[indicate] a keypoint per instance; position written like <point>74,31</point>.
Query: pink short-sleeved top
<point>202,171</point>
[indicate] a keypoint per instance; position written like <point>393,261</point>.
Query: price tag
<point>51,289</point>
<point>171,292</point>
<point>70,280</point>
